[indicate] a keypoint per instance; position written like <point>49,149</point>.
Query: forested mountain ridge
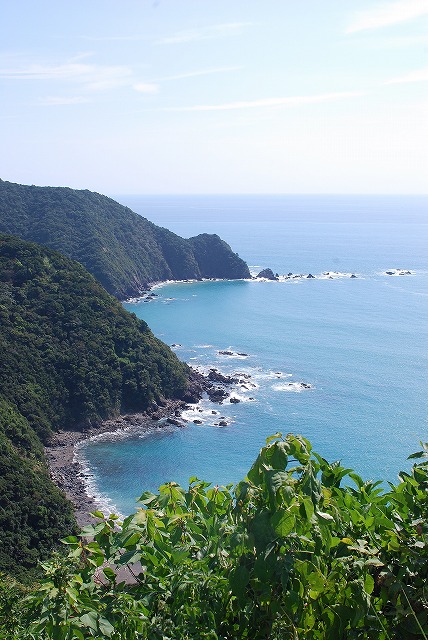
<point>122,250</point>
<point>70,356</point>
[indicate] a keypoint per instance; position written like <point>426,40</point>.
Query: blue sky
<point>215,96</point>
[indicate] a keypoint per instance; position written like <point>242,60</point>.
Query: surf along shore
<point>68,473</point>
<point>64,467</point>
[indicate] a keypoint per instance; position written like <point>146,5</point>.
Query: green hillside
<point>124,251</point>
<point>70,357</point>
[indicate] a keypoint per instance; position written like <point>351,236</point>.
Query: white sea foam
<point>203,369</point>
<point>262,375</point>
<point>333,275</point>
<point>300,277</point>
<point>204,413</point>
<point>294,387</point>
<point>147,296</point>
<point>102,501</point>
<point>397,272</point>
<point>160,285</point>
<point>245,377</point>
<point>231,354</point>
<point>240,396</point>
<point>249,378</point>
<point>254,270</point>
<point>248,386</point>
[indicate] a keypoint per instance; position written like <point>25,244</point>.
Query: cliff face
<point>70,356</point>
<point>216,259</point>
<point>123,251</point>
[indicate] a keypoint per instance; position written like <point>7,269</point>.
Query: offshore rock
<point>216,394</point>
<point>215,376</point>
<point>268,274</point>
<point>175,422</point>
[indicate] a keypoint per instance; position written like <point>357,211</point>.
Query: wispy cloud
<point>289,101</point>
<point>203,72</point>
<point>205,33</point>
<point>91,76</point>
<point>386,14</point>
<point>54,101</point>
<point>420,75</point>
<point>146,87</point>
<point>88,78</point>
<point>389,41</point>
<point>123,38</point>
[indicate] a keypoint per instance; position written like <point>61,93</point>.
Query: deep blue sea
<point>359,344</point>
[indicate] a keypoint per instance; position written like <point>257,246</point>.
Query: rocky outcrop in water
<point>268,274</point>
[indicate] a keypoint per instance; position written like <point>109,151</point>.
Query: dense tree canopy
<point>70,357</point>
<point>124,251</point>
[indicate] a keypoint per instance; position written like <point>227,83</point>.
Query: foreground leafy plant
<point>292,552</point>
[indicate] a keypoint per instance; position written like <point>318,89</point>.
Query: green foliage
<point>122,250</point>
<point>70,357</point>
<point>33,512</point>
<point>215,257</point>
<point>12,595</point>
<point>301,549</point>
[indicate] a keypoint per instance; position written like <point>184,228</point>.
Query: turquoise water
<point>361,344</point>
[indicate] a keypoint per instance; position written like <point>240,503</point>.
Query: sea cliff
<point>124,251</point>
<point>71,358</point>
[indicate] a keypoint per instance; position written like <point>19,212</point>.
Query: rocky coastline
<point>67,473</point>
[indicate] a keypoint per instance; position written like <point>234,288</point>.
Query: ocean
<point>341,360</point>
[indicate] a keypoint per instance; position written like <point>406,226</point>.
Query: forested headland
<point>70,357</point>
<point>123,251</point>
<point>301,548</point>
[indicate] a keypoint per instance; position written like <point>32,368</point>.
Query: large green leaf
<point>239,579</point>
<point>283,522</point>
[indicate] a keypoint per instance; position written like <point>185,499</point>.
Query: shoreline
<point>147,294</point>
<point>68,474</point>
<point>152,286</point>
